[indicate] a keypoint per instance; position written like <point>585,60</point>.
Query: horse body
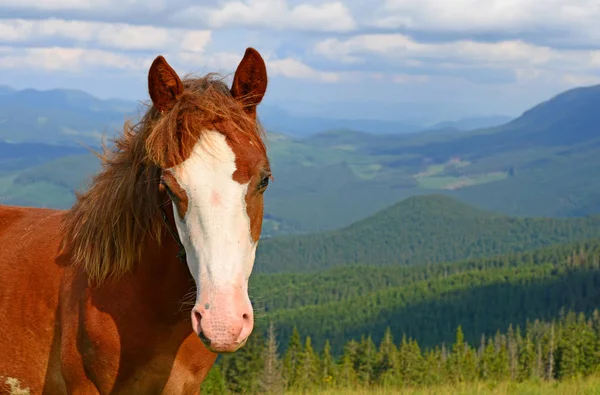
<point>73,338</point>
<point>29,289</point>
<point>99,298</point>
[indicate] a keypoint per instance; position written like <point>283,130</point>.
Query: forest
<point>428,301</point>
<point>421,229</point>
<point>513,318</point>
<point>560,349</point>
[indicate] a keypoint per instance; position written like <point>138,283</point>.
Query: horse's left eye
<point>264,183</point>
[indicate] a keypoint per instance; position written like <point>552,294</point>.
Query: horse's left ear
<point>164,85</point>
<point>250,80</point>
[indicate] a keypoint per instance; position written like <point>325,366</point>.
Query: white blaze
<point>216,228</point>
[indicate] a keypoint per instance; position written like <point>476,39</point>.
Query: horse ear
<point>164,85</point>
<point>250,80</point>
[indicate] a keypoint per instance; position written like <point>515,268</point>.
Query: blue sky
<point>367,59</point>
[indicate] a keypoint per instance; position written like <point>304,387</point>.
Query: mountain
<point>21,156</point>
<point>67,116</point>
<point>419,230</point>
<point>276,119</point>
<point>541,164</point>
<point>60,116</point>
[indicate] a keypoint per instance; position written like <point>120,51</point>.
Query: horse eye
<point>263,183</point>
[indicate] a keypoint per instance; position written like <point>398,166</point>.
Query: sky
<point>385,59</point>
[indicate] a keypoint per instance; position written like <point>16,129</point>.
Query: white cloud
<point>581,79</point>
<point>67,59</point>
<point>226,63</point>
<point>293,68</point>
<point>273,14</point>
<point>80,59</point>
<point>576,19</point>
<point>396,48</point>
<point>87,5</point>
<point>107,35</point>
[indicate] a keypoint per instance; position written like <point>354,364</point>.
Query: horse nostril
<point>198,316</point>
<point>245,316</point>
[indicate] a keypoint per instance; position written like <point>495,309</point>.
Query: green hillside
<point>423,229</point>
<point>428,302</point>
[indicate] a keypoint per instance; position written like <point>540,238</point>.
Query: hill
<point>428,302</point>
<point>60,116</point>
<point>276,119</point>
<point>418,230</point>
<point>528,167</point>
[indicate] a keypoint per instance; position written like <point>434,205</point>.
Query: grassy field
<point>585,386</point>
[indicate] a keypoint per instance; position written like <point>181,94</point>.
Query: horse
<point>143,282</point>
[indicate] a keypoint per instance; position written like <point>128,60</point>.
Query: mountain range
<point>543,163</point>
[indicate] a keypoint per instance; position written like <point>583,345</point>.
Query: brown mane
<point>107,227</point>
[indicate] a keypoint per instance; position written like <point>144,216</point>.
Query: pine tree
<point>328,367</point>
<point>292,358</point>
<point>456,361</point>
<point>241,368</point>
<point>387,366</point>
<point>308,367</point>
<point>366,360</point>
<point>511,343</point>
<point>550,371</point>
<point>526,359</point>
<point>271,380</point>
<point>486,362</point>
<point>347,377</point>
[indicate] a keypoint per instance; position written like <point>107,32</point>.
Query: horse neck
<point>161,272</point>
<point>159,279</point>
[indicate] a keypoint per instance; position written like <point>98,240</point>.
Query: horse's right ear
<point>164,85</point>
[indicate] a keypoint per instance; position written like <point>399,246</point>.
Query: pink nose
<point>223,327</point>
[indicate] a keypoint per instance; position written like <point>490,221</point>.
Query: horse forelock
<point>108,226</point>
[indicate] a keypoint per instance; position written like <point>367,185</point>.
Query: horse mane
<point>108,226</point>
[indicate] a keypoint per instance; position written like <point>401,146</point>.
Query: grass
<point>586,386</point>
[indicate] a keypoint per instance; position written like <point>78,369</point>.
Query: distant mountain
<point>276,119</point>
<point>67,117</point>
<point>421,229</point>
<point>568,119</point>
<point>473,123</point>
<point>60,116</point>
<point>5,89</point>
<point>529,166</point>
<point>21,156</point>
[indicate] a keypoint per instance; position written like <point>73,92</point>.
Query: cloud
<point>107,35</point>
<point>88,5</point>
<point>81,60</point>
<point>401,49</point>
<point>67,59</point>
<point>544,19</point>
<point>293,68</point>
<point>272,14</point>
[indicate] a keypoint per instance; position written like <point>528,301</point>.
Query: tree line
<point>566,347</point>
